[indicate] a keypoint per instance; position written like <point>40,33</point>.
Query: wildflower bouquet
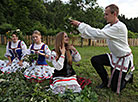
<point>31,58</point>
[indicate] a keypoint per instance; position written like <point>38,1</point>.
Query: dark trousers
<point>98,63</point>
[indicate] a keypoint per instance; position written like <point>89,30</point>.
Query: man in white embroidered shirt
<point>120,59</point>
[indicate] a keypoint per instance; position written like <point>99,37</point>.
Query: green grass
<point>2,51</point>
<point>37,91</point>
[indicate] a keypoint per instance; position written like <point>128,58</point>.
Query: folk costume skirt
<point>39,72</point>
<point>13,67</point>
<point>62,84</point>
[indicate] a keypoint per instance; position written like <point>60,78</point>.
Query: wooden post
<point>5,40</point>
<point>2,39</point>
<point>30,38</point>
<point>89,42</point>
<point>72,40</point>
<point>81,42</point>
<point>47,40</point>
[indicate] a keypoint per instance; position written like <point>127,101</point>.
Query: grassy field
<point>36,92</point>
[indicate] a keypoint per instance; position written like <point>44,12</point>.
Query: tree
<point>132,23</point>
<point>49,15</point>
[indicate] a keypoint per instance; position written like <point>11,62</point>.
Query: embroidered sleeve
<point>7,54</point>
<point>59,63</point>
<point>75,56</point>
<point>24,49</point>
<point>47,52</point>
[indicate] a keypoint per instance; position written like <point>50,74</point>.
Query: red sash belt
<point>120,74</point>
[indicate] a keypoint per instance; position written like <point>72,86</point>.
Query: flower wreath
<point>17,32</point>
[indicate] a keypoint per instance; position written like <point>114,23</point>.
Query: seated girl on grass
<point>15,52</point>
<point>39,69</point>
<point>64,76</point>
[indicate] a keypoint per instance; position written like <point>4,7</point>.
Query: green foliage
<point>38,26</point>
<point>68,27</point>
<point>2,51</point>
<point>29,15</point>
<point>6,27</point>
<point>14,87</point>
<point>96,15</point>
<point>30,58</point>
<point>87,95</point>
<point>52,31</point>
<point>17,32</point>
<point>44,15</point>
<point>22,13</point>
<point>132,34</point>
<point>132,23</point>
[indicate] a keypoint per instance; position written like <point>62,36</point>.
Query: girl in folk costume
<point>64,76</point>
<point>39,69</point>
<point>15,52</point>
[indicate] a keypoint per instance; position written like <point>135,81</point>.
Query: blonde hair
<point>37,32</point>
<point>58,43</point>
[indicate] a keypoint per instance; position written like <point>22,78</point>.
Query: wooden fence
<point>76,41</point>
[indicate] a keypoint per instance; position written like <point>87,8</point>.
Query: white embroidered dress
<point>39,69</point>
<point>16,51</point>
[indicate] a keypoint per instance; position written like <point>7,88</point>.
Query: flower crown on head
<point>17,32</point>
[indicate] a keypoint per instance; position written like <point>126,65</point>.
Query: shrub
<point>6,27</point>
<point>132,34</point>
<point>52,32</point>
<point>38,26</point>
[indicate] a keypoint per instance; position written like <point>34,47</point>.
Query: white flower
<point>17,30</point>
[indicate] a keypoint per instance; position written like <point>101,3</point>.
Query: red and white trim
<point>60,84</point>
<point>120,65</point>
<point>62,56</point>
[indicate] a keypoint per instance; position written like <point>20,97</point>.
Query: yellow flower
<point>7,32</point>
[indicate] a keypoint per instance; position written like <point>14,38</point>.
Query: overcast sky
<point>129,8</point>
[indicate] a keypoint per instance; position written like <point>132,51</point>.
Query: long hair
<point>58,43</point>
